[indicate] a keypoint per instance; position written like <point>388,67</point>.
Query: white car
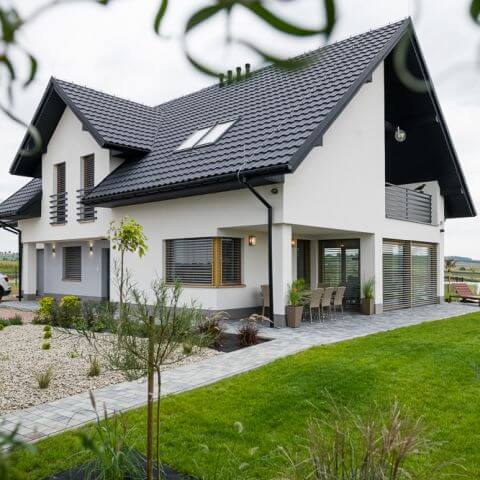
<point>5,288</point>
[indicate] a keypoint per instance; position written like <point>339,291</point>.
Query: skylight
<point>215,133</point>
<point>194,138</point>
<point>206,136</point>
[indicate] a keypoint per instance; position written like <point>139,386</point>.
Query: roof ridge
<point>304,54</point>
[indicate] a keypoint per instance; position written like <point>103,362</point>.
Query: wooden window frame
<point>217,264</point>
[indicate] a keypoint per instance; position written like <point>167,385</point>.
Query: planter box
<point>368,306</point>
<point>294,316</point>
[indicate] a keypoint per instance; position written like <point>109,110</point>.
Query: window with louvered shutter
<point>212,261</point>
<point>189,260</point>
<point>88,172</point>
<point>72,263</point>
<point>409,274</point>
<point>60,177</point>
<point>231,261</point>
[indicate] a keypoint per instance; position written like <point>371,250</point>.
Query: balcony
<point>85,213</point>
<point>58,208</point>
<point>403,203</point>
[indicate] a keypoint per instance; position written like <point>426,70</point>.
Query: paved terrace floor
<point>54,417</point>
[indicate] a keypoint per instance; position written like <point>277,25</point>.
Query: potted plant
<point>368,300</point>
<point>296,296</point>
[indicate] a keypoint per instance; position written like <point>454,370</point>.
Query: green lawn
<point>430,368</point>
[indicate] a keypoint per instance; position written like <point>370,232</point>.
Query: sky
<point>114,49</point>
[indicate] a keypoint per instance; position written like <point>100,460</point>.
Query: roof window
<point>205,136</point>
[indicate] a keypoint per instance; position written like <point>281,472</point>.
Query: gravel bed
<point>22,357</point>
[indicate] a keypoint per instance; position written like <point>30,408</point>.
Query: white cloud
<point>114,49</point>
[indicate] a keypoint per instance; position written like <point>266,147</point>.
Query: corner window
<point>210,261</point>
<point>72,263</point>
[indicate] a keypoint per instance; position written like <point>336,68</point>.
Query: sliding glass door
<point>409,274</point>
<point>340,265</point>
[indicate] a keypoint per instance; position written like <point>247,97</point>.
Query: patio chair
<point>315,300</point>
<point>326,301</point>
<point>323,285</point>
<point>338,299</point>
<point>462,291</point>
<point>266,298</point>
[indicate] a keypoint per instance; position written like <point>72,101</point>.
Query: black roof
<point>23,203</point>
<point>279,114</point>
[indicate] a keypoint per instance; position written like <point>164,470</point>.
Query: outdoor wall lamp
<point>400,135</point>
<point>252,240</point>
<point>54,249</point>
<point>294,242</point>
<point>90,249</point>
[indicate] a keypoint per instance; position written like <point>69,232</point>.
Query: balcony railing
<point>406,204</point>
<point>58,208</point>
<point>85,213</point>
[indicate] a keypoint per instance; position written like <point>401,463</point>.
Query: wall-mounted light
<point>252,240</point>
<point>293,242</point>
<point>400,135</point>
<point>90,248</point>
<point>54,249</point>
<point>274,191</point>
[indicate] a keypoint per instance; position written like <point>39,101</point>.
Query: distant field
<point>10,268</point>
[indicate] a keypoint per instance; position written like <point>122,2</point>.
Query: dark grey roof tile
<point>21,199</point>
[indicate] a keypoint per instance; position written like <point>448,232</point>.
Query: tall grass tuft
<point>44,378</point>
<point>355,448</point>
<point>94,368</point>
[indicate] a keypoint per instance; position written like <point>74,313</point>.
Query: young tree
<point>126,236</point>
<point>152,334</point>
<point>450,266</point>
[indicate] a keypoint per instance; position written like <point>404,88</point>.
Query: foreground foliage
<point>431,369</point>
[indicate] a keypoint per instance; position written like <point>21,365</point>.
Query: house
<point>349,156</point>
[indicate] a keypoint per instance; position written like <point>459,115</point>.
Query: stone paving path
<point>54,417</point>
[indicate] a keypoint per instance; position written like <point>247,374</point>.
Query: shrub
<point>73,354</point>
<point>47,335</point>
<point>1,327</point>
<point>44,378</point>
<point>69,311</point>
<point>46,346</point>
<point>187,348</point>
<point>47,328</point>
<point>211,327</point>
<point>248,333</point>
<point>47,309</point>
<point>94,368</point>
<point>15,320</point>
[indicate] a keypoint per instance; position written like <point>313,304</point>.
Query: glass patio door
<point>340,265</point>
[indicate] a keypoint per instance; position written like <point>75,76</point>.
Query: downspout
<point>269,208</point>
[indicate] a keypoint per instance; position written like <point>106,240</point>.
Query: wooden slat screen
<point>88,172</point>
<point>231,261</point>
<point>60,177</point>
<point>409,274</point>
<point>72,263</point>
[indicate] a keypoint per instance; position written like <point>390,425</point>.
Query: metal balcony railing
<point>58,208</point>
<point>403,203</point>
<point>85,213</point>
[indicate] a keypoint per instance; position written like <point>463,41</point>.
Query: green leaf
<point>33,70</point>
<point>11,70</point>
<point>8,28</point>
<point>276,22</point>
<point>159,16</point>
<point>331,16</point>
<point>475,11</point>
<point>199,66</point>
<point>202,15</point>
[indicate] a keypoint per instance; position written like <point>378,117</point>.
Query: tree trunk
<point>121,285</point>
<point>150,388</point>
<point>159,393</point>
